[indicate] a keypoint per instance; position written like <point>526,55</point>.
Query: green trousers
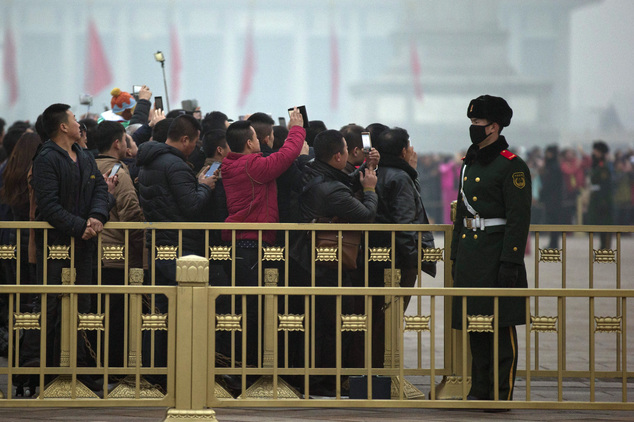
<point>482,370</point>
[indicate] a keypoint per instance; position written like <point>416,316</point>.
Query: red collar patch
<point>507,154</point>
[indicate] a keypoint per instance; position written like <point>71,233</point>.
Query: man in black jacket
<point>73,197</point>
<point>399,203</point>
<point>170,192</point>
<point>327,194</point>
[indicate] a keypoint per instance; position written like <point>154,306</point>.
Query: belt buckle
<point>468,223</point>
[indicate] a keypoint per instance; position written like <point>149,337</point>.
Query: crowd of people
<point>135,163</point>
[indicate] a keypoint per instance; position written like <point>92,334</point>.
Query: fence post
<point>126,389</point>
<point>192,309</point>
<point>393,334</point>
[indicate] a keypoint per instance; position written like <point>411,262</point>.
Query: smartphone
<point>135,90</point>
<point>302,110</point>
<point>212,169</point>
<point>158,103</point>
<point>282,121</point>
<point>115,169</point>
<point>187,105</point>
<point>367,144</point>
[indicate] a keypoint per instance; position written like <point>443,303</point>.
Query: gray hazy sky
<point>602,59</point>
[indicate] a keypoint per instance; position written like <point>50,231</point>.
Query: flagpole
<point>167,97</point>
<point>159,57</point>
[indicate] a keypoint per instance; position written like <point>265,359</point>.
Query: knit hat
<point>121,101</point>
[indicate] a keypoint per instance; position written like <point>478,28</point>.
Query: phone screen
<point>158,103</point>
<point>302,110</point>
<point>282,121</point>
<point>136,89</point>
<point>212,169</point>
<point>115,169</point>
<point>367,144</point>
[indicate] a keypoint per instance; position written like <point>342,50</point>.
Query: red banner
<point>334,69</point>
<point>415,62</point>
<point>97,76</point>
<point>10,65</point>
<point>248,70</point>
<point>176,66</point>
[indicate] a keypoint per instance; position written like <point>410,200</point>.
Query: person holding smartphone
<point>111,139</point>
<point>249,180</point>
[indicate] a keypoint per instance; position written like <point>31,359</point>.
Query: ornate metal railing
<point>575,337</point>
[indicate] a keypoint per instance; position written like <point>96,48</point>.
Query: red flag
<point>10,66</point>
<point>415,62</point>
<point>248,69</point>
<point>334,69</point>
<point>176,65</point>
<point>97,73</point>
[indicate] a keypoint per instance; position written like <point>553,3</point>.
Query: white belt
<point>481,223</point>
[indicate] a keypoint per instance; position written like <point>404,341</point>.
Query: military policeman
<point>489,239</point>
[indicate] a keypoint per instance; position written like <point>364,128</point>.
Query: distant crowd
<point>559,175</point>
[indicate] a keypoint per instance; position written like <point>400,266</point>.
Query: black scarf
<point>486,155</point>
<point>399,163</point>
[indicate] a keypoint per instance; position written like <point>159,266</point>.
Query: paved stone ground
<point>577,357</point>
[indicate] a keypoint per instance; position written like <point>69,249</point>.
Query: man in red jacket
<point>249,182</point>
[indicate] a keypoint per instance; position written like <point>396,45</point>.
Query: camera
<point>85,99</point>
<point>135,91</point>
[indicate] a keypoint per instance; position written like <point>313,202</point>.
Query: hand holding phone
<point>302,111</point>
<point>158,103</point>
<point>212,169</point>
<point>115,169</point>
<point>135,91</point>
<point>367,143</point>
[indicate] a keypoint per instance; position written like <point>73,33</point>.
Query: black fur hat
<point>494,109</point>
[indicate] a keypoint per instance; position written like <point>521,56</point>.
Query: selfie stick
<point>159,57</point>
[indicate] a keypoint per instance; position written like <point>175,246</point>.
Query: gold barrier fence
<point>573,349</point>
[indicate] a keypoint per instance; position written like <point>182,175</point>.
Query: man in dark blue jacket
<point>170,192</point>
<point>73,197</point>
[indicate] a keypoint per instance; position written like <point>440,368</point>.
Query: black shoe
<point>27,390</point>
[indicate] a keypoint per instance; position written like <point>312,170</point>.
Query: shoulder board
<point>507,154</point>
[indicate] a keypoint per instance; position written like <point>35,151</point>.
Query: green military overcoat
<point>497,184</point>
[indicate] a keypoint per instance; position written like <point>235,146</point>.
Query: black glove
<point>508,274</point>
